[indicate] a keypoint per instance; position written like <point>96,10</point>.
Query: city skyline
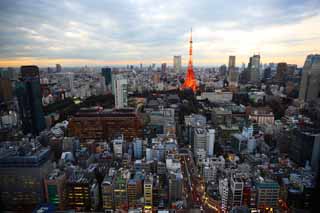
<point>77,33</point>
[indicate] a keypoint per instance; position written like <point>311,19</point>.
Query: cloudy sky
<point>111,32</point>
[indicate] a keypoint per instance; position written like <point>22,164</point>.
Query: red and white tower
<point>190,81</point>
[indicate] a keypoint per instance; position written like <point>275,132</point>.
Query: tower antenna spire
<point>190,81</point>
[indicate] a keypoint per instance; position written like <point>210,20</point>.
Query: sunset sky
<point>120,32</point>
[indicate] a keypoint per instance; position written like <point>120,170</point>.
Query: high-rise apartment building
<point>310,86</point>
<point>30,100</point>
<point>121,92</point>
<point>177,63</point>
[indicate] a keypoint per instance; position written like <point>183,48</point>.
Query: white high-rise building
<point>224,193</point>
<point>210,142</point>
<point>177,63</point>
<point>121,92</point>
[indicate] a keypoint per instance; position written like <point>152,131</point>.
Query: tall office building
<point>282,70</point>
<point>177,63</point>
<point>58,68</point>
<point>5,89</point>
<point>267,194</point>
<point>310,86</point>
<point>107,192</point>
<point>232,62</point>
<point>175,187</point>
<point>121,92</point>
<point>78,191</point>
<point>254,68</point>
<point>233,75</point>
<point>30,101</point>
<point>163,67</point>
<point>132,193</point>
<point>107,74</point>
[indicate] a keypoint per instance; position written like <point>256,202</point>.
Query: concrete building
<point>305,147</point>
<point>120,192</point>
<point>105,125</point>
<point>23,168</point>
<point>118,144</point>
<point>55,188</point>
<point>132,193</point>
<point>224,194</point>
<point>236,187</point>
<point>267,194</point>
<point>79,186</point>
<point>107,192</point>
<point>147,186</point>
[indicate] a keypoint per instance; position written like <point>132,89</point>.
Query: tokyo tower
<point>190,81</point>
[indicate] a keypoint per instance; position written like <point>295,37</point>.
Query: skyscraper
<point>107,74</point>
<point>282,70</point>
<point>232,62</point>
<point>177,63</point>
<point>310,86</point>
<point>58,68</point>
<point>121,92</point>
<point>254,66</point>
<point>163,67</point>
<point>233,74</point>
<point>29,98</point>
